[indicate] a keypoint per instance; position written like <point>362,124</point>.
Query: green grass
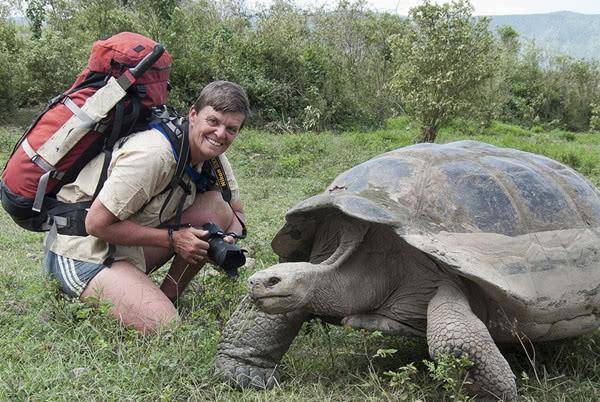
<point>52,349</point>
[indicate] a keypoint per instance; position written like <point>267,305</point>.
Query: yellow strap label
<point>218,169</point>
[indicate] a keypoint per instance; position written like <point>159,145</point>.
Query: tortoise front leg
<point>253,343</point>
<point>453,328</point>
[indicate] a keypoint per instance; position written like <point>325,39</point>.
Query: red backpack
<point>126,75</point>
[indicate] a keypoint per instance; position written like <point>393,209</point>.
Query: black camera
<point>227,256</point>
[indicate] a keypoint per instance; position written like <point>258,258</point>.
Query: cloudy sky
<point>482,7</point>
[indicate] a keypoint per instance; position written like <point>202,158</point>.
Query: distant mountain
<point>562,32</point>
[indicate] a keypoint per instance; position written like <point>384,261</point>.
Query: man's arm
<point>103,224</point>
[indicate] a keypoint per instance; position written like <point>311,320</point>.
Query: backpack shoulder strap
<point>174,128</point>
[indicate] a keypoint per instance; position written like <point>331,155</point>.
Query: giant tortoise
<point>465,243</point>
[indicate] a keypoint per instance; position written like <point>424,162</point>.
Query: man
<point>126,214</point>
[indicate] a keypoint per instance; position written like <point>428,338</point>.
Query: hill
<point>562,32</point>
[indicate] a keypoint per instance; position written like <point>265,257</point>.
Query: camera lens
<point>228,256</point>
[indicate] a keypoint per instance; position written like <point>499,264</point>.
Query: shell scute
<point>482,196</point>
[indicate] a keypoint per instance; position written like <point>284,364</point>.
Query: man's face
<point>212,132</point>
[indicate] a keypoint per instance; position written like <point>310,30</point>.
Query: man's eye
<point>212,121</point>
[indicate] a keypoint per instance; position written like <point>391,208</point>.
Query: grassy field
<point>53,349</point>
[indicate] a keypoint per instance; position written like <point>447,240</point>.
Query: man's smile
<point>212,132</point>
<point>213,142</point>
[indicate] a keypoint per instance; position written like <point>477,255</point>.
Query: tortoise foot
<point>242,374</point>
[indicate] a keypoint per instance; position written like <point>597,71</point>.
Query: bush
<point>51,65</point>
<point>554,92</point>
<point>595,117</point>
<point>502,129</point>
<point>8,90</point>
<point>11,69</point>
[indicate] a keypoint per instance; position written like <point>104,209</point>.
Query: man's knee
<point>150,318</point>
<point>209,207</point>
<point>161,318</point>
<point>135,300</point>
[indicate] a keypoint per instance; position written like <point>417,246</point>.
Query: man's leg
<point>136,301</point>
<point>207,207</point>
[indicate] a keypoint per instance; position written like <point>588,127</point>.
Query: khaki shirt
<point>141,167</point>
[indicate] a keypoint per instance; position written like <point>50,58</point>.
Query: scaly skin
<point>453,328</point>
<point>252,345</point>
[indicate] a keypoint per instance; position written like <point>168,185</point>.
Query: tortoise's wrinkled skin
<point>464,243</point>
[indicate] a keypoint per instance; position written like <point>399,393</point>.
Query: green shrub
<point>595,117</point>
<point>566,135</point>
<point>503,129</point>
<point>570,158</point>
<point>11,69</point>
<point>537,129</point>
<point>52,64</point>
<point>8,89</point>
<point>452,373</point>
<point>548,91</point>
<point>302,70</point>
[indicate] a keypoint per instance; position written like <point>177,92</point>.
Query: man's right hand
<point>188,243</point>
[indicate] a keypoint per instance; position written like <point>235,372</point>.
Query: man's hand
<point>229,239</point>
<point>188,243</point>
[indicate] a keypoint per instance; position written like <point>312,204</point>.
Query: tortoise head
<point>285,287</point>
<point>312,285</point>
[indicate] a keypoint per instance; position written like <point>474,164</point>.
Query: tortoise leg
<point>453,328</point>
<point>252,345</point>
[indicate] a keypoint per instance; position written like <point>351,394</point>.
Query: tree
<point>521,92</point>
<point>443,61</point>
<point>571,87</point>
<point>509,40</point>
<point>36,14</point>
<point>11,49</point>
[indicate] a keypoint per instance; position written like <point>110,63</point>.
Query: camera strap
<point>223,184</point>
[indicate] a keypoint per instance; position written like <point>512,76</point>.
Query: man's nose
<point>221,131</point>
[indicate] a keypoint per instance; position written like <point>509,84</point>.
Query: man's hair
<point>224,96</point>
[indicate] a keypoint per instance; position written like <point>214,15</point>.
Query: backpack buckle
<point>58,98</point>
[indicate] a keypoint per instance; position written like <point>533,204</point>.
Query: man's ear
<point>192,112</point>
<point>192,117</point>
